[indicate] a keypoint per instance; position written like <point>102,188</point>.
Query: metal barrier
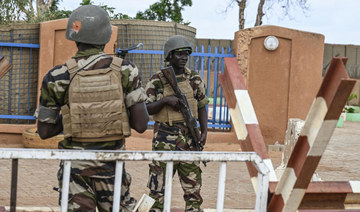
<point>18,89</point>
<point>18,104</point>
<point>121,156</point>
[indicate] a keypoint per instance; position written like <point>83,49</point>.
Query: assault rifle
<point>122,52</point>
<point>190,121</point>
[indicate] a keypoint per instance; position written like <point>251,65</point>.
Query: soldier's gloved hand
<point>173,102</point>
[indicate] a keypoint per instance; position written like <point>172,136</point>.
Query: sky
<point>337,20</point>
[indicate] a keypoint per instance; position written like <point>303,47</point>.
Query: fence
<point>208,63</point>
<point>18,87</point>
<point>121,156</point>
<point>21,102</point>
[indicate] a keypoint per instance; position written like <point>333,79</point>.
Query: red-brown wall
<point>282,83</point>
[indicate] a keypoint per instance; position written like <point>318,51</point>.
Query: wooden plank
<point>314,137</point>
<point>244,118</point>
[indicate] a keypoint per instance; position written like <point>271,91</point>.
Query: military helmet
<point>89,24</point>
<point>176,42</point>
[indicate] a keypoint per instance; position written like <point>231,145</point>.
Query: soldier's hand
<point>173,102</point>
<point>203,139</point>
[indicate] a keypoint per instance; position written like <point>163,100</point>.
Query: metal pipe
<point>65,186</point>
<point>117,185</point>
<point>262,192</point>
<point>221,187</point>
<point>168,186</point>
<point>14,178</point>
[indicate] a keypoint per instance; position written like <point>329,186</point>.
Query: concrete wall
<point>282,83</point>
<point>352,52</point>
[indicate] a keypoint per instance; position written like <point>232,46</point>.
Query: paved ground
<point>38,177</point>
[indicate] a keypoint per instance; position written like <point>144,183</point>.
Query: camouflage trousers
<point>172,138</point>
<point>88,193</point>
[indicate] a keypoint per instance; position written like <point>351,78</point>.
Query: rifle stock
<point>190,121</point>
<point>5,66</point>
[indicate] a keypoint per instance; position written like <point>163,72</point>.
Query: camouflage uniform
<point>91,182</point>
<point>175,137</point>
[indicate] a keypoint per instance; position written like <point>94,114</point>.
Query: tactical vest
<point>96,111</point>
<point>167,113</point>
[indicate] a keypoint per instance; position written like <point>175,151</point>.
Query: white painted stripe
<point>314,119</point>
<point>272,176</point>
<point>238,123</point>
<point>355,186</point>
<point>286,183</point>
<point>318,146</point>
<point>246,107</point>
<point>254,182</point>
<point>294,200</point>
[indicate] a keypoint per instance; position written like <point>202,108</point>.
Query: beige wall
<point>282,83</point>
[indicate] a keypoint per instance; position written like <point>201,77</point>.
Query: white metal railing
<point>165,156</point>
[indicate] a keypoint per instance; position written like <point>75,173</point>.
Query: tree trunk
<point>242,5</point>
<point>260,13</point>
<point>42,7</point>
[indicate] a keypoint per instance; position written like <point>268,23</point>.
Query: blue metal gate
<point>208,64</point>
<point>18,88</point>
<point>18,95</point>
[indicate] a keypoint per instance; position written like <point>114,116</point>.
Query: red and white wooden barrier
<point>319,126</point>
<point>314,137</point>
<point>243,116</point>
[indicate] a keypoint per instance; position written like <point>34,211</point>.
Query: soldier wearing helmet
<point>89,101</point>
<point>170,131</point>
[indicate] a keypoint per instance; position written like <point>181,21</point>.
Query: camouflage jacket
<point>54,91</point>
<point>154,88</point>
<point>54,94</point>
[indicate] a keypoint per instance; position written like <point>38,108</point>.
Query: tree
<point>267,5</point>
<point>15,10</point>
<point>24,11</point>
<point>42,7</point>
<point>165,10</point>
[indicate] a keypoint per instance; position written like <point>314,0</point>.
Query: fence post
<point>65,185</point>
<point>221,187</point>
<point>14,178</point>
<point>168,185</point>
<point>117,185</point>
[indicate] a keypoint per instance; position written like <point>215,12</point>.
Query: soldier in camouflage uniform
<point>94,93</point>
<point>170,130</point>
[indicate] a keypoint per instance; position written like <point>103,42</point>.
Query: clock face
<point>271,43</point>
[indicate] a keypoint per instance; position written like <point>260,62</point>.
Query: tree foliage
<point>15,10</point>
<point>165,10</point>
<point>266,7</point>
<point>23,11</point>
